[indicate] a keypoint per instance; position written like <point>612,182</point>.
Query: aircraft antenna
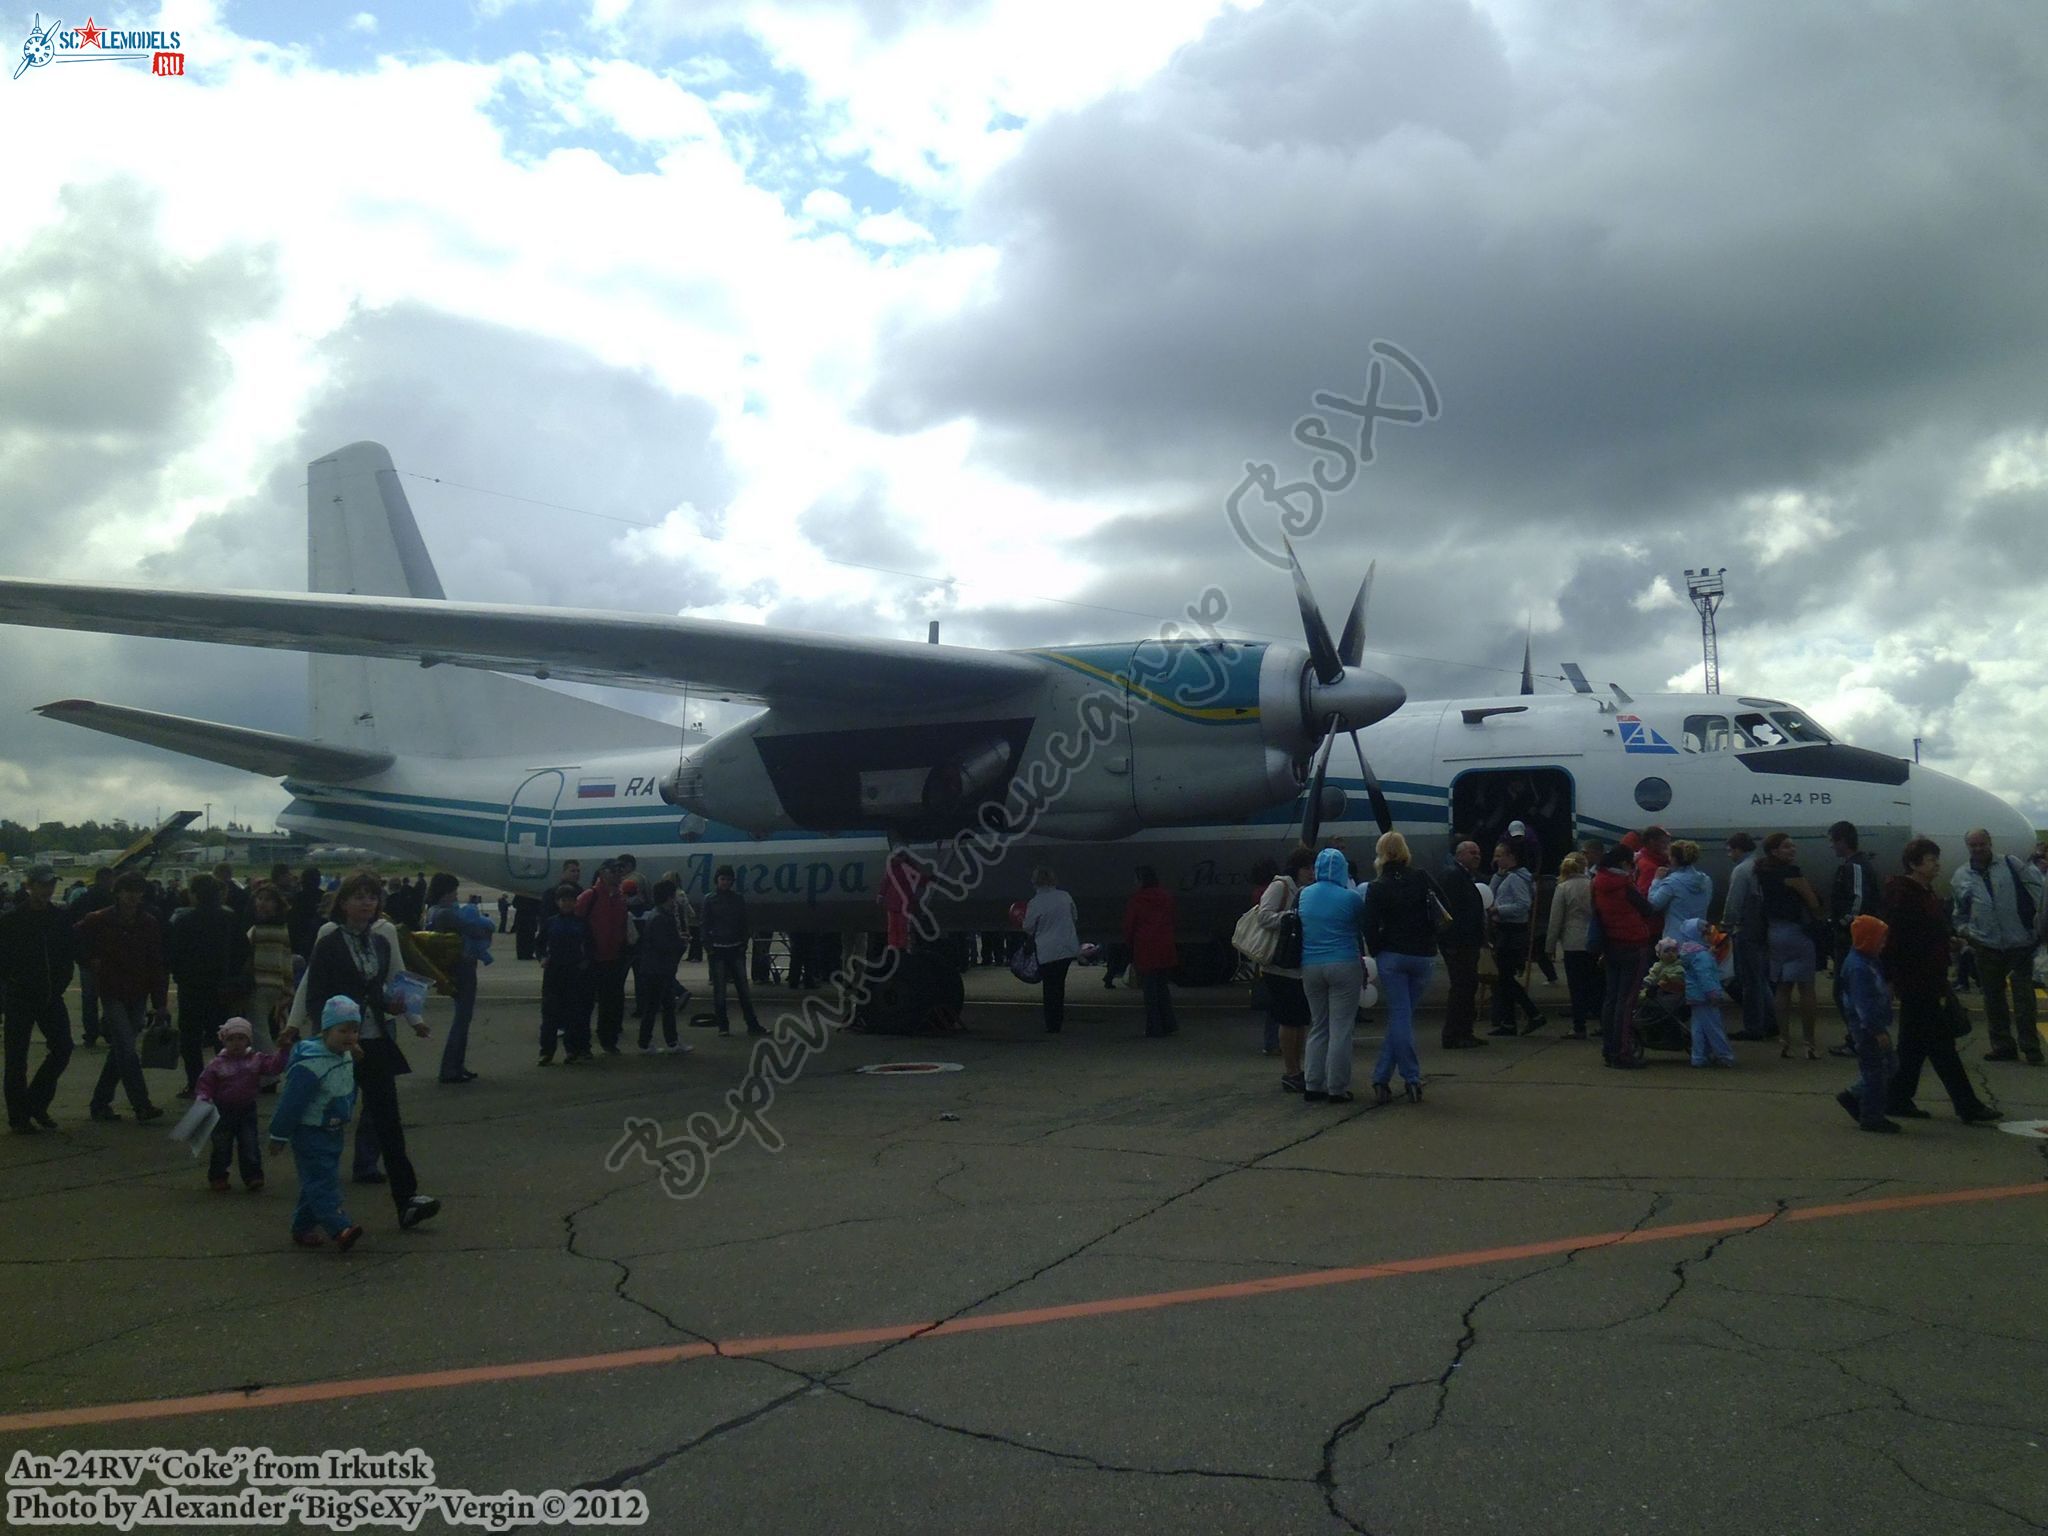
<point>1706,589</point>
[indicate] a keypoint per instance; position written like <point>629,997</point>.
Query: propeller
<point>1339,695</point>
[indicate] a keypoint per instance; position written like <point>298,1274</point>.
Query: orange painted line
<point>1031,1317</point>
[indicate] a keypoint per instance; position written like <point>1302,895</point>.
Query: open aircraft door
<point>1485,800</point>
<point>530,825</point>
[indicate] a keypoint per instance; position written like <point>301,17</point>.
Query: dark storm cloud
<point>547,461</point>
<point>1693,254</point>
<point>466,402</point>
<point>110,353</point>
<point>857,524</point>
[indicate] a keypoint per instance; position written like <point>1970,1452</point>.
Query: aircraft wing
<point>265,752</point>
<point>718,657</point>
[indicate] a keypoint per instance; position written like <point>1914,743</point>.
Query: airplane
<point>1197,757</point>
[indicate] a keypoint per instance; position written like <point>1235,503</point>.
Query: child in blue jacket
<point>314,1103</point>
<point>1867,1000</point>
<point>1703,991</point>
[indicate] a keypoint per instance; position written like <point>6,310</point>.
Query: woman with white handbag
<point>1279,961</point>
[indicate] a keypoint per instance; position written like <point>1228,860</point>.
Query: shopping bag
<point>195,1130</point>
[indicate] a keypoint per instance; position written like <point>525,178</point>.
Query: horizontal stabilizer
<point>266,752</point>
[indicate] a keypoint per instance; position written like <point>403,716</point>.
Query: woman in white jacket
<point>1286,1004</point>
<point>1054,926</point>
<point>1570,934</point>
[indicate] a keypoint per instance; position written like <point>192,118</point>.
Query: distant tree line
<point>17,841</point>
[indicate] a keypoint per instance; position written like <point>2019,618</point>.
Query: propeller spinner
<point>1338,694</point>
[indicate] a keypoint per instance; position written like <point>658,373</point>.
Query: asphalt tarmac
<point>1091,1282</point>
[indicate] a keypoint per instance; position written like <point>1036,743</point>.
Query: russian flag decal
<point>597,789</point>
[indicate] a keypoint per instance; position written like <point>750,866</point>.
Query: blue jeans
<point>121,1022</point>
<point>1873,1088</point>
<point>318,1154</point>
<point>235,1136</point>
<point>464,977</point>
<point>1402,979</point>
<point>1753,975</point>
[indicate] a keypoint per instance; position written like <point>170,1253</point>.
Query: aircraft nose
<point>1945,808</point>
<point>1361,697</point>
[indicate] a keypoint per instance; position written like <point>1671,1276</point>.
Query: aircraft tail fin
<point>236,746</point>
<point>362,538</point>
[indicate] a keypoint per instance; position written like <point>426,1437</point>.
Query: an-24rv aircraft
<point>424,744</point>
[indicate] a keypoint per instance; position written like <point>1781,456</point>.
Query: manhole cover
<point>909,1068</point>
<point>2034,1128</point>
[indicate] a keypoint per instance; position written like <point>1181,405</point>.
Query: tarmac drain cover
<point>909,1068</point>
<point>2035,1128</point>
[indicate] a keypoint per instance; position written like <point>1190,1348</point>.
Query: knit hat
<point>1666,948</point>
<point>339,1011</point>
<point>1867,934</point>
<point>240,1027</point>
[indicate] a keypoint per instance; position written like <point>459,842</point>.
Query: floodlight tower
<point>1706,589</point>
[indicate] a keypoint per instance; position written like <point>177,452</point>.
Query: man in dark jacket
<point>663,939</point>
<point>97,898</point>
<point>204,950</point>
<point>35,968</point>
<point>1915,960</point>
<point>725,928</point>
<point>124,945</point>
<point>1460,946</point>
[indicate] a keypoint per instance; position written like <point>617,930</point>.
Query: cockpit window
<point>1758,731</point>
<point>1707,733</point>
<point>1798,727</point>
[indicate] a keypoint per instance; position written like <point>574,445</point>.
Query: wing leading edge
<point>742,661</point>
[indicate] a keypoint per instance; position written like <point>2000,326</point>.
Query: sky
<point>849,315</point>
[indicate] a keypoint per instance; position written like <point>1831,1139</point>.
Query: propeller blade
<point>1381,811</point>
<point>1351,649</point>
<point>1312,813</point>
<point>1322,650</point>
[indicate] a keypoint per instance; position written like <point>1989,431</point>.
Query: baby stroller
<point>1663,1022</point>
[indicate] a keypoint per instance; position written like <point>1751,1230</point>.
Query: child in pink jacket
<point>230,1083</point>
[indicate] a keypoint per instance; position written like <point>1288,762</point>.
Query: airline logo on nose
<point>1638,737</point>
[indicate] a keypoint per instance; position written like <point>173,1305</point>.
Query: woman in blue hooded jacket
<point>1332,977</point>
<point>1682,890</point>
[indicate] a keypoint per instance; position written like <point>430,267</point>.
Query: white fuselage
<point>1571,766</point>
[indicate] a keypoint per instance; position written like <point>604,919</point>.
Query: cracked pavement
<point>1876,1370</point>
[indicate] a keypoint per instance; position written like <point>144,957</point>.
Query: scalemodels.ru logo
<point>95,44</point>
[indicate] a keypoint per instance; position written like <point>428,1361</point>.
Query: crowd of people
<point>1634,926</point>
<point>297,985</point>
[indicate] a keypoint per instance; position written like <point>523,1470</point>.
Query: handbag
<point>1024,959</point>
<point>1956,1013</point>
<point>157,1046</point>
<point>1287,951</point>
<point>1253,939</point>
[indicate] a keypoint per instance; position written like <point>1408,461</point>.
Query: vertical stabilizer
<point>362,538</point>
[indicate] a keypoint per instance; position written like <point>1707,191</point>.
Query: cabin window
<point>1758,731</point>
<point>1798,727</point>
<point>1707,733</point>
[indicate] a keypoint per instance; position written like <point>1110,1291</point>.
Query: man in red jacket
<point>1629,926</point>
<point>125,948</point>
<point>603,908</point>
<point>1149,921</point>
